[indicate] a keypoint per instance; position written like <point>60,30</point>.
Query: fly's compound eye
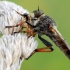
<point>38,13</point>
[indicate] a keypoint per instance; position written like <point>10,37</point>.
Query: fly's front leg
<point>21,26</point>
<point>22,23</point>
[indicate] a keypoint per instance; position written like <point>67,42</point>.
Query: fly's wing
<point>57,38</point>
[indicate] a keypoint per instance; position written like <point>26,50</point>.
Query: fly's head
<point>38,13</point>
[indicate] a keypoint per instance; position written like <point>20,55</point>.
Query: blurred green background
<point>59,10</point>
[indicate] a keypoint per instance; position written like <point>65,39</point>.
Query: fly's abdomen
<point>57,38</point>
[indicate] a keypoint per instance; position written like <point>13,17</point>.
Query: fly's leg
<point>30,32</point>
<point>48,47</point>
<point>45,49</point>
<point>22,23</point>
<point>21,26</point>
<point>48,44</point>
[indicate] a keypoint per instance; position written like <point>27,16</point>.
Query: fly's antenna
<point>38,7</point>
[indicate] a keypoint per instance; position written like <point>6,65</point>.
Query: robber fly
<point>42,24</point>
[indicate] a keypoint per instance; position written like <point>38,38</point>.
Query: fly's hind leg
<point>48,47</point>
<point>45,49</point>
